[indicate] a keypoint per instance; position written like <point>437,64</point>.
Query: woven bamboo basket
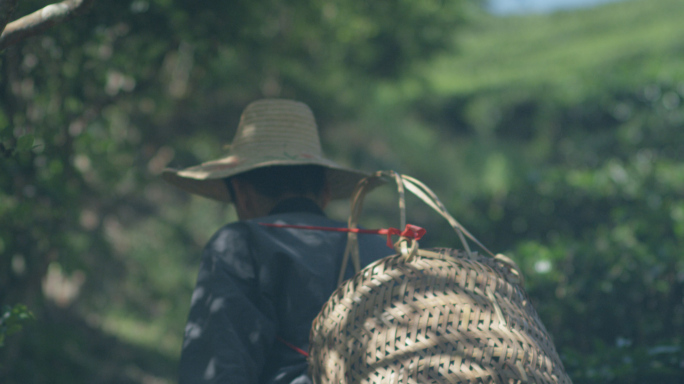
<point>430,316</point>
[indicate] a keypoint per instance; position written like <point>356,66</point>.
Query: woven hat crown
<point>272,127</point>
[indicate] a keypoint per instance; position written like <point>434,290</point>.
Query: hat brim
<point>208,179</point>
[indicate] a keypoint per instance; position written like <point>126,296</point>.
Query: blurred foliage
<point>12,320</point>
<point>556,139</point>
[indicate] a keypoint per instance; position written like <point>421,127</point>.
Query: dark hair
<point>277,181</point>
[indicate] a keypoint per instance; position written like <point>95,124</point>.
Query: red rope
<point>411,231</point>
<point>293,347</point>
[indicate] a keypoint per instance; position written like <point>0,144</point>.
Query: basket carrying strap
<point>425,194</point>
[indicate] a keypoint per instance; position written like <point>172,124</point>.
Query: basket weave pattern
<point>442,317</point>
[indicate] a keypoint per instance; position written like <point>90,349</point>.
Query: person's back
<point>260,327</point>
<point>259,287</point>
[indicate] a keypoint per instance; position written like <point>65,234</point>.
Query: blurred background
<point>554,131</point>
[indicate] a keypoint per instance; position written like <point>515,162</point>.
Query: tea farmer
<point>260,287</point>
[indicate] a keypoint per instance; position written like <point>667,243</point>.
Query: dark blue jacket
<point>260,287</point>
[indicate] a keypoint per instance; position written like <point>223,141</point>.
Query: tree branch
<point>7,8</point>
<point>39,21</point>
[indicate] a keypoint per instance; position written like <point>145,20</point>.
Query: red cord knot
<point>411,231</point>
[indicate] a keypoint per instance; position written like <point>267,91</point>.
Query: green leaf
<point>25,143</point>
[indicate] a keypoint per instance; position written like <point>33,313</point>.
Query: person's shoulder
<point>232,235</point>
<point>239,227</point>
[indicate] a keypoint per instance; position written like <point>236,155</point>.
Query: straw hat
<point>272,132</point>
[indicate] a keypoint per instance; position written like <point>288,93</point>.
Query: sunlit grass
<point>559,48</point>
